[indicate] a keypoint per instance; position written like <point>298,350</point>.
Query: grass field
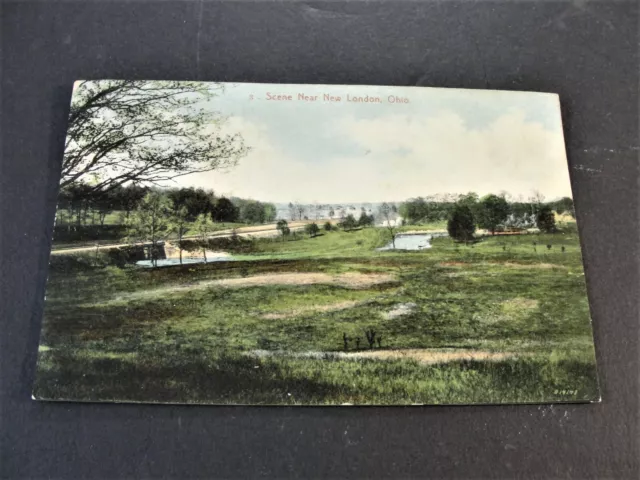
<point>501,320</point>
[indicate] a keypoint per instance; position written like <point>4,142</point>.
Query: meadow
<point>327,320</point>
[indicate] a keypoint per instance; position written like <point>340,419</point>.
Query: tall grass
<point>193,376</point>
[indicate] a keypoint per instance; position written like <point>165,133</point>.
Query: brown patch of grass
<point>529,265</point>
<point>350,279</point>
<point>520,303</point>
<point>431,356</point>
<point>334,307</point>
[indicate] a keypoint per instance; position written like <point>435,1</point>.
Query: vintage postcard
<point>314,245</point>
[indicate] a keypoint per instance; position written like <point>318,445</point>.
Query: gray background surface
<point>585,51</point>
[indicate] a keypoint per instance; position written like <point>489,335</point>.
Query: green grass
<point>196,376</point>
<point>439,225</point>
<point>131,334</point>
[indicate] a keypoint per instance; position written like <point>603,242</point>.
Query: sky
<point>441,141</point>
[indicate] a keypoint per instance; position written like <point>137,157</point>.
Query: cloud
<point>411,156</point>
<point>401,156</point>
<point>266,173</point>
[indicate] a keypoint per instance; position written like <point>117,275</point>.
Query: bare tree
<point>180,222</point>
<point>203,226</point>
<point>301,209</point>
<point>144,132</point>
<point>536,199</point>
<point>388,217</point>
<point>151,223</point>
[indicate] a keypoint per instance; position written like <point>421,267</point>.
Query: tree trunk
<point>204,247</point>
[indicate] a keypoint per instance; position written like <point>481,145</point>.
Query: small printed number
<point>565,392</point>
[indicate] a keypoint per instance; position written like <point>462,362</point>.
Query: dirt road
<point>268,230</point>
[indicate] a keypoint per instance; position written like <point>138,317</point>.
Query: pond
<point>166,262</point>
<point>412,241</point>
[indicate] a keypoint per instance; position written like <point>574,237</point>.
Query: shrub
<point>493,211</point>
<point>349,223</point>
<point>311,229</point>
<point>545,220</point>
<point>461,225</point>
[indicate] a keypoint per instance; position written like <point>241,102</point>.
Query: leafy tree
<point>79,200</point>
<point>104,203</point>
<point>413,210</point>
<point>150,222</point>
<point>311,229</point>
<point>470,199</point>
<point>129,197</point>
<point>283,227</point>
<point>545,219</point>
<point>203,227</point>
<point>565,204</point>
<point>349,223</point>
<point>180,220</point>
<point>64,204</point>
<point>493,211</point>
<point>388,217</point>
<point>197,201</point>
<point>224,210</point>
<point>429,209</point>
<point>461,225</point>
<point>327,226</point>
<point>252,211</point>
<point>366,220</point>
<point>123,131</point>
<point>270,212</point>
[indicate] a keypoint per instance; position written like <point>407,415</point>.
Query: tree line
<point>438,208</point>
<point>79,204</point>
<point>495,213</point>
